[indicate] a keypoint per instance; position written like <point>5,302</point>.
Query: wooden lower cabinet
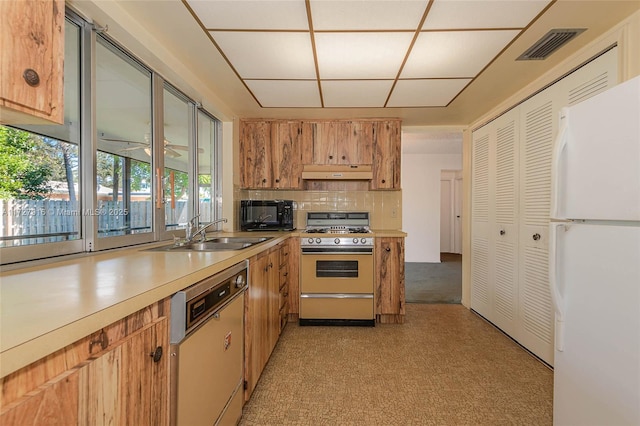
<point>267,306</point>
<point>262,315</point>
<point>109,377</point>
<point>284,255</point>
<point>389,280</point>
<point>126,385</point>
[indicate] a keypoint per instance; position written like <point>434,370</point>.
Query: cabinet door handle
<point>384,181</point>
<point>331,157</point>
<point>344,157</point>
<point>157,354</point>
<point>387,249</point>
<point>277,180</point>
<point>502,232</point>
<point>536,236</point>
<point>31,77</point>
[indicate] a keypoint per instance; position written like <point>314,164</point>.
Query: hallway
<point>444,366</point>
<point>434,282</point>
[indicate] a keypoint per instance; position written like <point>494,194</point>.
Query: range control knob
<point>318,240</point>
<point>355,241</point>
<point>310,240</point>
<point>239,281</point>
<point>364,240</point>
<point>337,241</point>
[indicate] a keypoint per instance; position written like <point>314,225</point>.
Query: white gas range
<point>337,270</point>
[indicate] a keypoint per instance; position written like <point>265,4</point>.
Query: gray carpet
<point>434,282</point>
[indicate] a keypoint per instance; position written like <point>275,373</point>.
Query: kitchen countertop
<point>47,307</point>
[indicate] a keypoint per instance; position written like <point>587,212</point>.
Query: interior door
<point>446,217</point>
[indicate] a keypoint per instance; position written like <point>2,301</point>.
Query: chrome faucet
<point>191,235</point>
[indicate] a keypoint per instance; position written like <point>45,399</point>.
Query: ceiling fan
<point>170,149</point>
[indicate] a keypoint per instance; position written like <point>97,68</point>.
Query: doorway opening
<point>441,282</point>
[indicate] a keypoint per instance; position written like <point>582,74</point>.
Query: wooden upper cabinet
<point>338,142</point>
<point>286,154</point>
<point>363,134</point>
<point>270,155</point>
<point>31,64</point>
<point>386,155</point>
<point>273,152</point>
<point>255,154</point>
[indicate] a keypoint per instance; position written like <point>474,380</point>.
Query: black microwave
<point>267,215</point>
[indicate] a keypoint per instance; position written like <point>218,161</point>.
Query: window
<point>40,172</point>
<point>124,125</point>
<point>178,138</point>
<point>94,182</point>
<point>209,173</point>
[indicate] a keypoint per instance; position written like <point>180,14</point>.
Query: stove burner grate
<point>338,230</point>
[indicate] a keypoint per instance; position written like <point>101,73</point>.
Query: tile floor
<point>444,366</point>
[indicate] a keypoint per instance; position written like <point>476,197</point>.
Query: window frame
<point>94,242</point>
<point>88,149</point>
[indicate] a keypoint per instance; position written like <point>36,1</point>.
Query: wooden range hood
<point>336,172</point>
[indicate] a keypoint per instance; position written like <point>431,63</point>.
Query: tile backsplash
<point>385,207</point>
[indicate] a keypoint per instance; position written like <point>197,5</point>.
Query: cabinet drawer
<point>284,255</point>
<point>284,314</point>
<point>284,295</point>
<point>284,275</point>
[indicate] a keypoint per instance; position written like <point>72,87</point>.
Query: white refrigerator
<point>594,260</point>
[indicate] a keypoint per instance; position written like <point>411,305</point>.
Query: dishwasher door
<point>208,369</point>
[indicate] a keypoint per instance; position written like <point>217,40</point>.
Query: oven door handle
<point>322,251</point>
<point>336,296</point>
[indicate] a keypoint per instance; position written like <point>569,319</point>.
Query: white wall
<point>423,158</point>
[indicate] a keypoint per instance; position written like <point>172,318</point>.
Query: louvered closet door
<point>481,276</point>
<point>539,124</point>
<point>505,230</point>
<point>593,78</point>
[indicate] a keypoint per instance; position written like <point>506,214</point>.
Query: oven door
<point>336,273</point>
<point>336,286</point>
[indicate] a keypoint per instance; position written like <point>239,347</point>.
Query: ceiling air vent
<point>548,44</point>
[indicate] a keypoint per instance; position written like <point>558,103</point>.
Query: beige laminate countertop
<point>45,308</point>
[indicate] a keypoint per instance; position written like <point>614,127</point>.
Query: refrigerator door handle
<point>558,148</point>
<point>556,298</point>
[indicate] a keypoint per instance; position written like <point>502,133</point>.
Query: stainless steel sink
<point>215,244</point>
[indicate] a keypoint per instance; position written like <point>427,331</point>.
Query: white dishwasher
<point>207,344</point>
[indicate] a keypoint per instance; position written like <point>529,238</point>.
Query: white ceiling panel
<point>286,93</point>
<point>448,14</point>
<point>367,15</point>
<point>454,53</point>
<point>424,93</point>
<point>361,93</point>
<point>267,55</point>
<point>361,55</point>
<point>245,14</point>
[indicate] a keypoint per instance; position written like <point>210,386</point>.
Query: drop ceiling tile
<point>285,93</point>
<point>361,55</point>
<point>454,53</point>
<point>259,15</point>
<point>367,15</point>
<point>361,93</point>
<point>447,14</point>
<point>264,55</point>
<point>426,93</point>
